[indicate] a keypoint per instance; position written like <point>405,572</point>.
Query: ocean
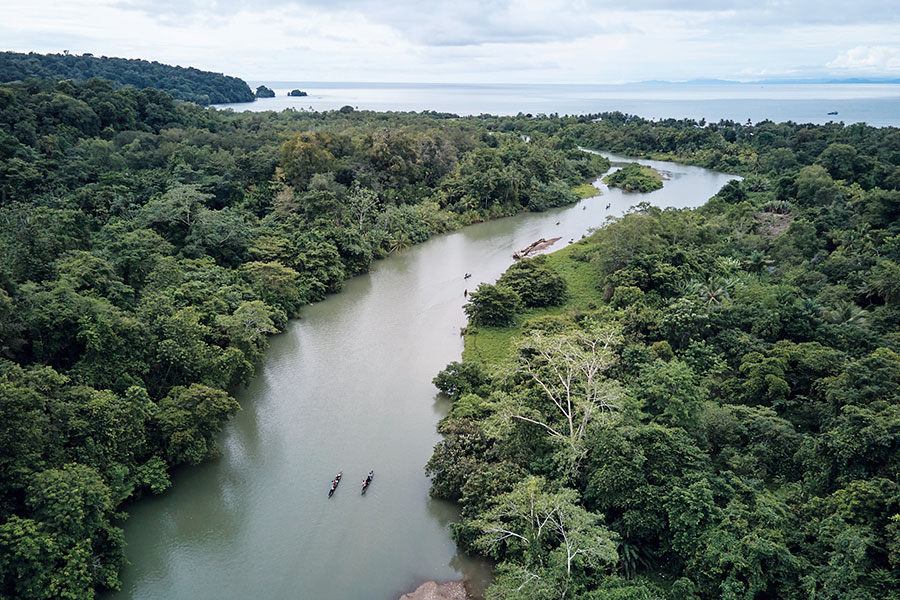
<point>875,104</point>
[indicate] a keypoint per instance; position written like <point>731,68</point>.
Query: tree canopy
<point>702,403</point>
<point>149,249</point>
<point>716,395</point>
<point>182,83</point>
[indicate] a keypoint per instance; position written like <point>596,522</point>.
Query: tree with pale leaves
<point>522,525</point>
<point>569,368</point>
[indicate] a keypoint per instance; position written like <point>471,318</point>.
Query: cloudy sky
<point>506,41</point>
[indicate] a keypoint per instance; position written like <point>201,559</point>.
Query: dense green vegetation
<point>764,152</point>
<point>149,247</point>
<point>183,83</point>
<point>733,370</point>
<point>297,93</point>
<point>714,412</point>
<point>635,177</point>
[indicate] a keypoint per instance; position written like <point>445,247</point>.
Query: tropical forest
<point>182,83</point>
<point>151,246</point>
<point>694,404</point>
<point>685,404</point>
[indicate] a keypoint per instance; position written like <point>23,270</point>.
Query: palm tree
<point>756,262</point>
<point>811,307</point>
<point>716,290</point>
<point>632,556</point>
<point>847,313</point>
<point>728,264</point>
<point>400,240</point>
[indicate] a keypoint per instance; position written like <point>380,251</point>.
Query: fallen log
<point>537,246</point>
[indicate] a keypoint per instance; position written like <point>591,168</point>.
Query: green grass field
<point>585,190</point>
<point>493,345</point>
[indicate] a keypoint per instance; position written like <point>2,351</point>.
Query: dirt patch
<point>772,224</point>
<point>432,590</point>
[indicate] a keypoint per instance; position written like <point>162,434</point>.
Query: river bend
<point>348,387</point>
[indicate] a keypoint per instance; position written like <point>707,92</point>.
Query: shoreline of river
<point>255,521</point>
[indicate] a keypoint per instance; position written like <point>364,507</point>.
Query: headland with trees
<point>182,83</point>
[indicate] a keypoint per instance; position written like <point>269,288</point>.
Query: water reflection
<point>442,403</point>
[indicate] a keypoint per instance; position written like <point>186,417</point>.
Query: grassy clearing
<point>585,190</point>
<point>492,346</point>
<point>581,277</point>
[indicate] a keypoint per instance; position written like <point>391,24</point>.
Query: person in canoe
<point>365,485</point>
<point>334,483</point>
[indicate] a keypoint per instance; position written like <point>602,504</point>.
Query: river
<point>348,387</point>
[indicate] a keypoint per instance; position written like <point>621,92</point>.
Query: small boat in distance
<point>834,112</point>
<point>334,483</point>
<point>365,485</point>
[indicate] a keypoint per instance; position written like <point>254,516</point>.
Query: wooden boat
<point>365,485</point>
<point>334,483</point>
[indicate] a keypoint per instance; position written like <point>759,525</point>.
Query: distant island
<point>182,83</point>
<point>297,93</point>
<point>635,177</point>
<point>264,92</point>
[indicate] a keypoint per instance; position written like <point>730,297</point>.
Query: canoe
<point>334,483</point>
<point>365,485</point>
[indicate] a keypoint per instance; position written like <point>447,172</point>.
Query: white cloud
<point>509,41</point>
<point>869,59</point>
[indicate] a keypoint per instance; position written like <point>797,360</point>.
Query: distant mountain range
<point>817,80</point>
<point>183,83</point>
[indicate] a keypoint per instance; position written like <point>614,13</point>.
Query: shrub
<point>536,282</point>
<point>493,305</point>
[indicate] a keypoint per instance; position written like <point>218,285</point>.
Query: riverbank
<point>348,385</point>
<point>690,400</point>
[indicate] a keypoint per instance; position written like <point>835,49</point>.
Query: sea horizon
<point>876,104</point>
<point>699,81</point>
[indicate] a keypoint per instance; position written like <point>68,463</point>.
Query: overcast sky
<point>505,41</point>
